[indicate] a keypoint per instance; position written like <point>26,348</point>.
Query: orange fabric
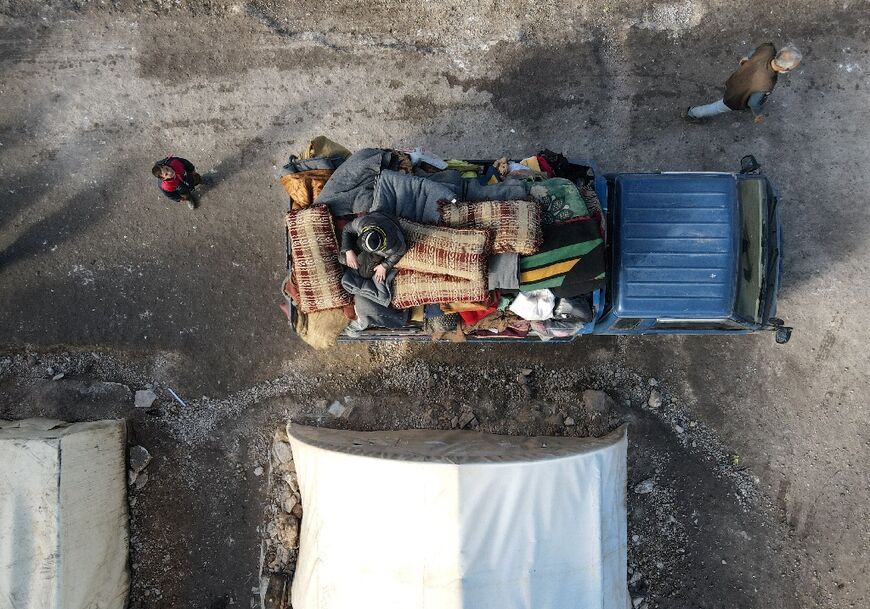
<point>459,307</point>
<point>304,186</point>
<point>492,299</point>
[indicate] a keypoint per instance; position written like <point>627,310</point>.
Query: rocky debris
<point>36,369</point>
<point>556,419</point>
<point>283,513</point>
<point>141,481</point>
<point>661,544</point>
<point>281,452</point>
<point>524,379</point>
<point>258,471</point>
<point>598,401</point>
<point>637,587</point>
<point>58,376</point>
<point>289,502</point>
<point>280,435</point>
<point>116,392</point>
<point>66,390</point>
<point>276,592</point>
<point>339,410</point>
<point>570,422</point>
<point>467,419</point>
<point>645,487</point>
<point>288,530</point>
<point>144,398</point>
<point>290,479</point>
<point>5,367</point>
<point>139,460</point>
<point>654,400</point>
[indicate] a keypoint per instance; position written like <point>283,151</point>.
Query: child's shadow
<point>208,181</point>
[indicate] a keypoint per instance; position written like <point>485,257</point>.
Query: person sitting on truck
<point>372,244</point>
<point>178,178</point>
<point>751,83</point>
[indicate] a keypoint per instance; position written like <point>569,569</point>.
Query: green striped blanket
<point>570,262</point>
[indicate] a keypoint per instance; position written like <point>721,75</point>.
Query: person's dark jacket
<point>395,240</point>
<point>182,184</point>
<point>751,83</point>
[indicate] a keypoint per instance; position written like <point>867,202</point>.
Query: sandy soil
<point>760,501</point>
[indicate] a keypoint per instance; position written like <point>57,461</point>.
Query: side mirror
<point>749,164</point>
<point>783,334</point>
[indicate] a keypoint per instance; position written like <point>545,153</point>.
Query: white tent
<point>457,519</point>
<point>63,515</point>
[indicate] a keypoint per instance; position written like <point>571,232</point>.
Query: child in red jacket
<point>178,178</point>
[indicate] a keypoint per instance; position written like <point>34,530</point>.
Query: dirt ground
<point>759,453</point>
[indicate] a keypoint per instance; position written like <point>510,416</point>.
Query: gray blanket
<point>350,188</point>
<point>410,197</point>
<point>510,189</point>
<point>381,293</point>
<point>504,271</point>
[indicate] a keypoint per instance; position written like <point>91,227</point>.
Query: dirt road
<point>104,279</point>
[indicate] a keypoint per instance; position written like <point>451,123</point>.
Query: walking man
<point>751,83</point>
<point>178,178</point>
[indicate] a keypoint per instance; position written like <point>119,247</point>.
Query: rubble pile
<point>283,518</point>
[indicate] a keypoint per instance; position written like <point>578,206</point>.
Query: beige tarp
<point>63,515</point>
<point>457,519</point>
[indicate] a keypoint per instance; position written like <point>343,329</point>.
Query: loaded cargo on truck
<point>543,248</point>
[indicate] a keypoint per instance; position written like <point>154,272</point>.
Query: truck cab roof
<point>676,248</point>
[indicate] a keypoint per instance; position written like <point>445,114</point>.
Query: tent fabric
<point>459,519</point>
<point>63,515</point>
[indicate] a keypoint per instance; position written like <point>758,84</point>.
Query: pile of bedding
<point>501,250</point>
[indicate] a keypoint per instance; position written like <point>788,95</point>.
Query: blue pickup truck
<point>686,253</point>
<point>692,253</point>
